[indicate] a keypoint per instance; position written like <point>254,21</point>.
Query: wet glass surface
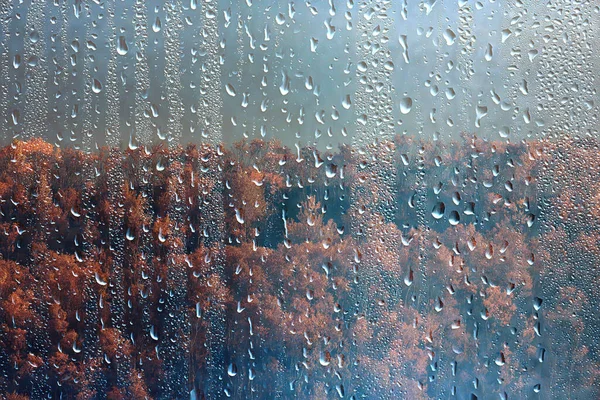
<point>327,199</point>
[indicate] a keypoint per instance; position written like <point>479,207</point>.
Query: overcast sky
<point>95,73</point>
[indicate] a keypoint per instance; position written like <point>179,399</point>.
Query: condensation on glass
<point>311,199</point>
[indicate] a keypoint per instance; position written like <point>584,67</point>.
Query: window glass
<point>299,199</point>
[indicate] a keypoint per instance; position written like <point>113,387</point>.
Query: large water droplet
<point>438,210</point>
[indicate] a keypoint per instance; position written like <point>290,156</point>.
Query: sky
<point>320,73</point>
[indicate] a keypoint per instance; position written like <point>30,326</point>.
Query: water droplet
<point>406,105</point>
<point>438,210</point>
<point>96,86</point>
<point>122,48</point>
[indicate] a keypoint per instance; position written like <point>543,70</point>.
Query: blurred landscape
<point>414,269</point>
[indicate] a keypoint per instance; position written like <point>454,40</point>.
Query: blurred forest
<point>404,269</point>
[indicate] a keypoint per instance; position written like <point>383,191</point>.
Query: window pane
<point>328,199</point>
